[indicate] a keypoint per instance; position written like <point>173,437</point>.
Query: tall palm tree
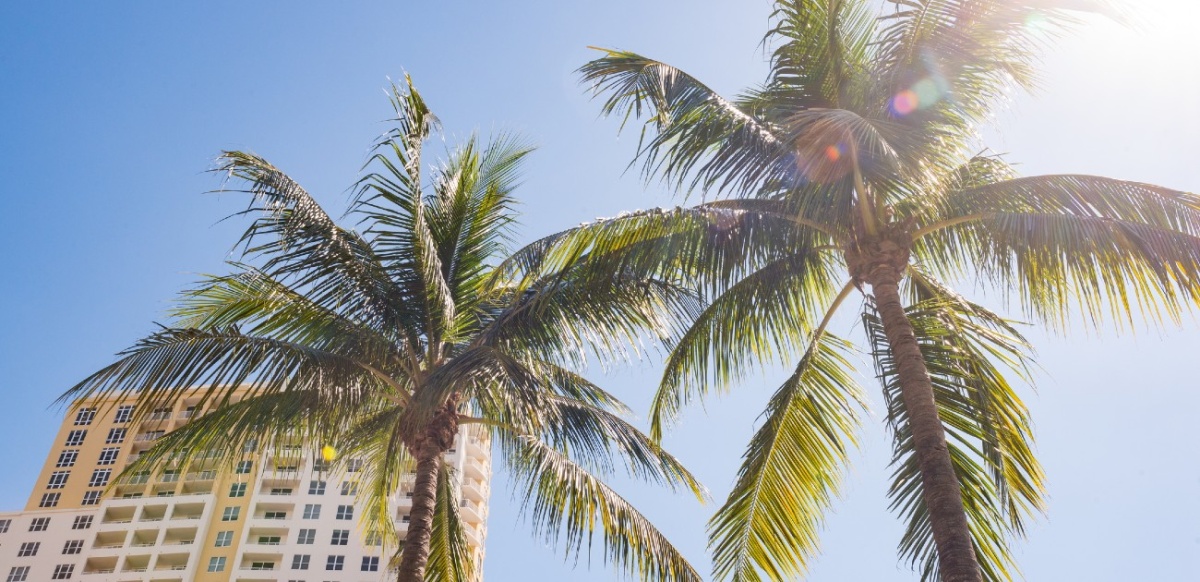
<point>384,342</point>
<point>855,167</point>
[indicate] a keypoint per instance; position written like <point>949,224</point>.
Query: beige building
<point>279,515</point>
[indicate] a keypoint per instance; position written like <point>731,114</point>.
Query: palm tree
<point>384,342</point>
<point>855,167</point>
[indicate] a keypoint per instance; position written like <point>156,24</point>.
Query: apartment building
<point>279,515</point>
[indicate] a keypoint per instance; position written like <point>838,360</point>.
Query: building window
<point>28,549</point>
<point>100,477</point>
<point>63,572</point>
<point>312,511</point>
<point>237,490</point>
<point>67,459</point>
<point>39,524</point>
<point>335,562</point>
<point>18,574</point>
<point>4,525</point>
<point>49,500</point>
<point>374,538</point>
<point>406,518</point>
<point>216,564</point>
<point>307,536</point>
<point>320,465</point>
<point>84,416</point>
<point>316,487</point>
<point>354,465</point>
<point>108,456</point>
<point>244,467</point>
<point>281,491</point>
<point>124,413</point>
<point>224,539</point>
<point>349,487</point>
<point>345,512</point>
<point>231,514</point>
<point>250,446</point>
<point>275,515</point>
<point>300,561</point>
<point>82,522</point>
<point>75,438</point>
<point>341,537</point>
<point>262,565</point>
<point>370,564</point>
<point>116,436</point>
<point>91,497</point>
<point>58,479</point>
<point>269,540</point>
<point>73,547</point>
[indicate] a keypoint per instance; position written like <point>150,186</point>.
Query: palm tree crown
<point>383,342</point>
<point>856,166</point>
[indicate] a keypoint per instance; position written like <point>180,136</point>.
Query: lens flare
<point>921,95</point>
<point>1036,21</point>
<point>927,93</point>
<point>328,453</point>
<point>905,102</point>
<point>833,153</point>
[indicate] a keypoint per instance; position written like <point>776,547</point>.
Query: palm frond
<point>699,139</point>
<point>250,299</point>
<point>450,558</point>
<point>163,368</point>
<point>227,433</point>
<point>378,439</point>
<point>391,198</point>
<point>969,353</point>
<point>711,245</point>
<point>1072,195</point>
<point>303,247</point>
<point>765,317</point>
<point>953,61</point>
<point>987,347</point>
<point>470,217</point>
<point>564,317</point>
<point>823,54</point>
<point>562,497</point>
<point>768,527</point>
<point>1057,263</point>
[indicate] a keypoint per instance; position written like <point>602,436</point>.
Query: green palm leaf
<point>768,527</point>
<point>451,559</point>
<point>561,497</point>
<point>762,318</point>
<point>967,351</point>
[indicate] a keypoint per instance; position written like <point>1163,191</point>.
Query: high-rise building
<point>281,514</point>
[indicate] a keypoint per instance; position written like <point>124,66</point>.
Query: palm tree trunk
<point>420,525</point>
<point>943,496</point>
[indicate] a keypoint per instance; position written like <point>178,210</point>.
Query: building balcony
<point>475,489</point>
<point>201,476</point>
<point>472,512</point>
<point>477,448</point>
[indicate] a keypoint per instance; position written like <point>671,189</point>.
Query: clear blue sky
<point>110,113</point>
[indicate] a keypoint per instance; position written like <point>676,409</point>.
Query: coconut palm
<point>855,168</point>
<point>382,343</point>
